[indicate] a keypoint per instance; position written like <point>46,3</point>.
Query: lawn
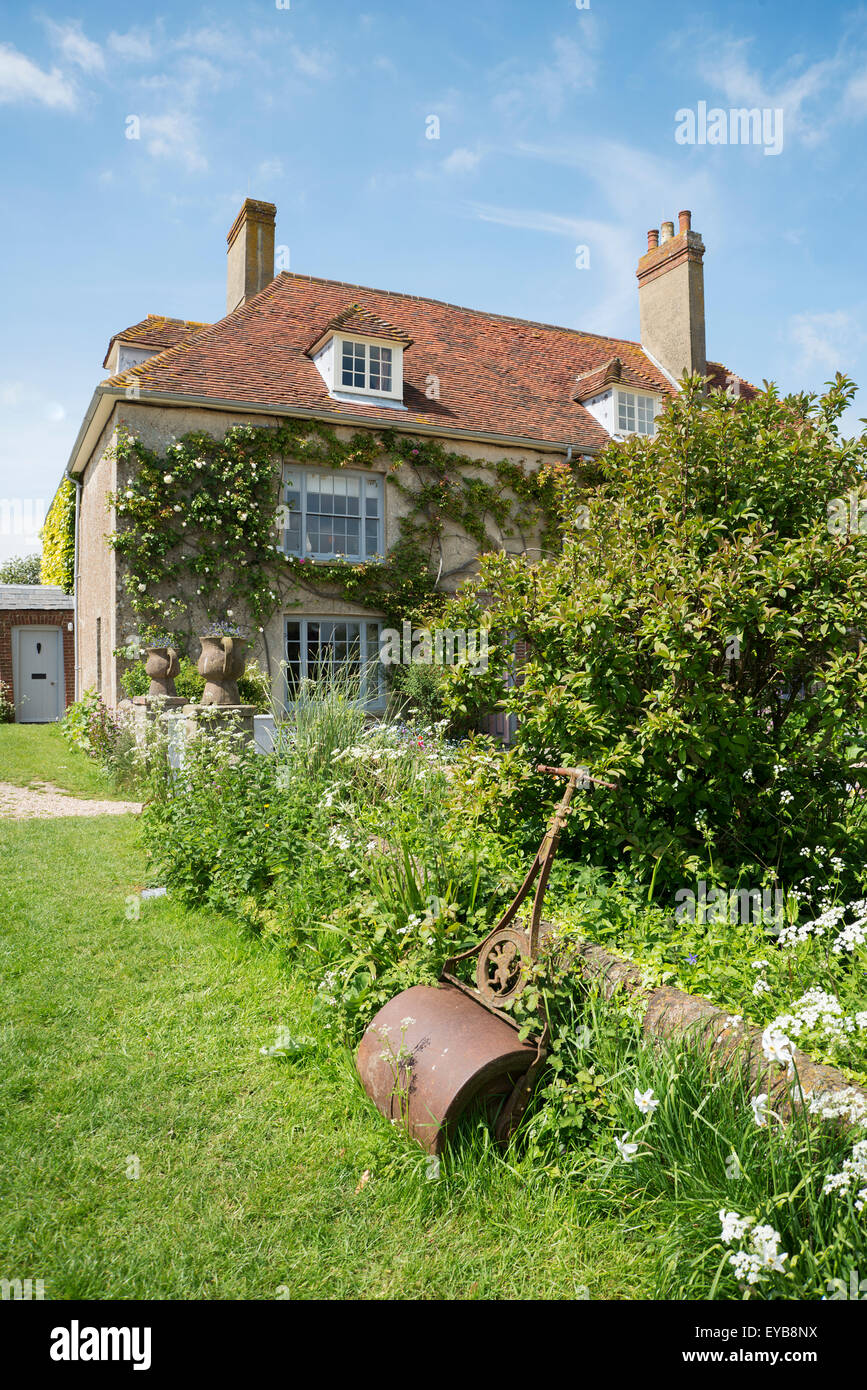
<point>31,753</point>
<point>131,1046</point>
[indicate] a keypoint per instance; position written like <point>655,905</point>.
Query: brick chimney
<point>671,298</point>
<point>251,253</point>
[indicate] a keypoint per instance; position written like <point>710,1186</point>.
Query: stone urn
<point>222,662</point>
<point>162,665</point>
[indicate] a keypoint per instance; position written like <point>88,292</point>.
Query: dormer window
<point>360,358</point>
<point>365,366</point>
<point>612,394</point>
<point>635,413</point>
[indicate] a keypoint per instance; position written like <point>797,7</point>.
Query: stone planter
<point>162,666</point>
<point>222,662</point>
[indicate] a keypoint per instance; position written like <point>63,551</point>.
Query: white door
<point>38,675</point>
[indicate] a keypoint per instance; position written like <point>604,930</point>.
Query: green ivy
<point>58,539</point>
<point>205,513</point>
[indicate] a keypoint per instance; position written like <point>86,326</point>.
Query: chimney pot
<point>685,220</point>
<point>667,231</point>
<point>652,239</point>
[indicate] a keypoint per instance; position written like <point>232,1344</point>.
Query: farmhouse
<point>393,404</point>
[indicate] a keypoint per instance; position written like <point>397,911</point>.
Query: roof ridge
<point>447,304</point>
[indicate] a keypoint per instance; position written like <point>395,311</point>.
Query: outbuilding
<point>37,650</point>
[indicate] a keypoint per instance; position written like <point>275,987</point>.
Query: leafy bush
<point>21,569</point>
<point>58,539</point>
<point>90,726</point>
<point>420,688</point>
<point>700,640</point>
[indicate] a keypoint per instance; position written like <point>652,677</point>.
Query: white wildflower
<point>627,1151</point>
<point>645,1101</point>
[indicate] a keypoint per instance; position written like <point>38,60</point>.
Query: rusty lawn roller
<point>433,1050</point>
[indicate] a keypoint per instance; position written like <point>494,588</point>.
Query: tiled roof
<point>719,377</point>
<point>355,319</point>
<point>495,375</point>
<point>31,596</point>
<point>589,384</point>
<point>156,331</point>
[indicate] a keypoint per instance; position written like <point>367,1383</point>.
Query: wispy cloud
<point>461,161</point>
<point>825,341</point>
<point>174,135</point>
<point>571,69</point>
<point>270,169</point>
<point>22,81</point>
<point>630,180</point>
<point>74,45</point>
<point>611,258</point>
<point>316,63</point>
<point>135,46</point>
<point>816,94</point>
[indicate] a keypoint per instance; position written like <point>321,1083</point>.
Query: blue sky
<point>556,129</point>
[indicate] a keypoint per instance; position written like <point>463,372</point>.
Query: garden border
<point>672,1012</point>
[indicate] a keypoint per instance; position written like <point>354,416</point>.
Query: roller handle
<point>574,772</point>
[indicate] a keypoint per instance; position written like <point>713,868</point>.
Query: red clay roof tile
<point>495,375</point>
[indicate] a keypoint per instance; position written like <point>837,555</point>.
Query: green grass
<point>39,752</point>
<point>127,1038</point>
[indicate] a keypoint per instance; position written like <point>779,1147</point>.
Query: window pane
<point>294,670</point>
<point>371,537</point>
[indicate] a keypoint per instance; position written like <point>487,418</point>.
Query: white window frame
<point>370,484</point>
<point>367,349</point>
<point>369,633</point>
<point>394,392</point>
<point>633,401</point>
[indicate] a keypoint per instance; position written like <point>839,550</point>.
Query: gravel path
<point>27,803</point>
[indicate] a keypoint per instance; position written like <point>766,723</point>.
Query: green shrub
<point>58,539</point>
<point>699,640</point>
<point>420,690</point>
<point>90,726</point>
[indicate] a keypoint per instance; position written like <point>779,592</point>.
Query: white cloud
<point>270,169</point>
<point>826,341</point>
<point>75,46</point>
<point>815,97</point>
<point>12,393</point>
<point>174,136</point>
<point>572,69</point>
<point>316,63</point>
<point>461,161</point>
<point>22,80</point>
<point>134,46</point>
